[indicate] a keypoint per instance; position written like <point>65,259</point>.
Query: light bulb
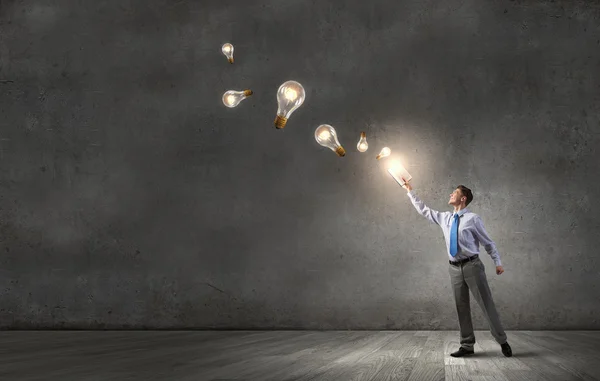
<point>233,98</point>
<point>385,152</point>
<point>227,49</point>
<point>326,136</point>
<point>290,96</point>
<point>399,173</point>
<point>362,145</point>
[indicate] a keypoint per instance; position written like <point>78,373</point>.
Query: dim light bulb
<point>362,145</point>
<point>385,152</point>
<point>326,136</point>
<point>233,98</point>
<point>290,96</point>
<point>227,49</point>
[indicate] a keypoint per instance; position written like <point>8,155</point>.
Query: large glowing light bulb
<point>233,98</point>
<point>385,152</point>
<point>227,49</point>
<point>362,145</point>
<point>290,96</point>
<point>326,136</point>
<point>399,173</point>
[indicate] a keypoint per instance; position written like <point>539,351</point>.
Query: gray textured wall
<point>131,197</point>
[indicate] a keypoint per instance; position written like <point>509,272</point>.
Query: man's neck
<point>459,208</point>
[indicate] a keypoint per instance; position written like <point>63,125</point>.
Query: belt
<point>458,263</point>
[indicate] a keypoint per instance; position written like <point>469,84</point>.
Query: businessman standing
<point>464,231</point>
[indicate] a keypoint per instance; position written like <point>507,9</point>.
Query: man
<point>464,231</point>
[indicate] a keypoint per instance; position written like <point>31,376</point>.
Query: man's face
<point>456,197</point>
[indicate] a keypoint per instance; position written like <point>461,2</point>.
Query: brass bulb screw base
<point>378,157</point>
<point>280,122</point>
<point>230,60</point>
<point>248,92</point>
<point>340,151</point>
<point>363,135</point>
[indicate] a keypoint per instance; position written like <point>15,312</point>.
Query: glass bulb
<point>227,49</point>
<point>362,145</point>
<point>326,136</point>
<point>399,173</point>
<point>385,152</point>
<point>233,98</point>
<point>290,96</point>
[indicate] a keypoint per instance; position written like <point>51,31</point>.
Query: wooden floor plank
<point>537,359</point>
<point>353,341</point>
<point>397,370</point>
<point>409,343</point>
<point>457,373</point>
<point>294,356</point>
<point>492,349</point>
<point>430,365</point>
<point>352,364</point>
<point>481,365</point>
<point>309,358</point>
<point>451,344</point>
<point>557,359</point>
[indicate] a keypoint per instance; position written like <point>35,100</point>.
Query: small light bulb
<point>399,173</point>
<point>326,136</point>
<point>227,49</point>
<point>290,96</point>
<point>233,98</point>
<point>385,152</point>
<point>362,145</point>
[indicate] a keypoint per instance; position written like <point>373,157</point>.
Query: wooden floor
<point>293,355</point>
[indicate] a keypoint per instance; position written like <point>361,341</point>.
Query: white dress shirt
<point>471,231</point>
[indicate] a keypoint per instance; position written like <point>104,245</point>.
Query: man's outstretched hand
<point>406,185</point>
<point>499,270</point>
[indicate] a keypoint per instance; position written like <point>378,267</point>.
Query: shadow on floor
<point>525,354</point>
<point>479,354</point>
<point>494,354</point>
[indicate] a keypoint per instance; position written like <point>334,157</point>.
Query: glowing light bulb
<point>227,49</point>
<point>399,173</point>
<point>385,152</point>
<point>327,137</point>
<point>233,98</point>
<point>290,96</point>
<point>362,145</point>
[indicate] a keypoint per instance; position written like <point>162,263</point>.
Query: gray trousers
<point>471,276</point>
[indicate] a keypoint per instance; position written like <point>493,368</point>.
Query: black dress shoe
<point>506,350</point>
<point>462,352</point>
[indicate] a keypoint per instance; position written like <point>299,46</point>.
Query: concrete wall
<point>130,197</point>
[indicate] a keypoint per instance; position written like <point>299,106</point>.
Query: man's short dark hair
<point>467,193</point>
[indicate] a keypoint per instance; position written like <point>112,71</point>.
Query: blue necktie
<point>454,236</point>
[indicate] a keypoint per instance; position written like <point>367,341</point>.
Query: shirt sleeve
<point>424,210</point>
<point>487,242</point>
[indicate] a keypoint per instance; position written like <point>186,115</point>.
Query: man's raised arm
<point>424,210</point>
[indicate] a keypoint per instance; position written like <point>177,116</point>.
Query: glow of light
<point>324,134</point>
<point>291,94</point>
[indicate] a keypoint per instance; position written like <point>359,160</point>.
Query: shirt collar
<point>461,212</point>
